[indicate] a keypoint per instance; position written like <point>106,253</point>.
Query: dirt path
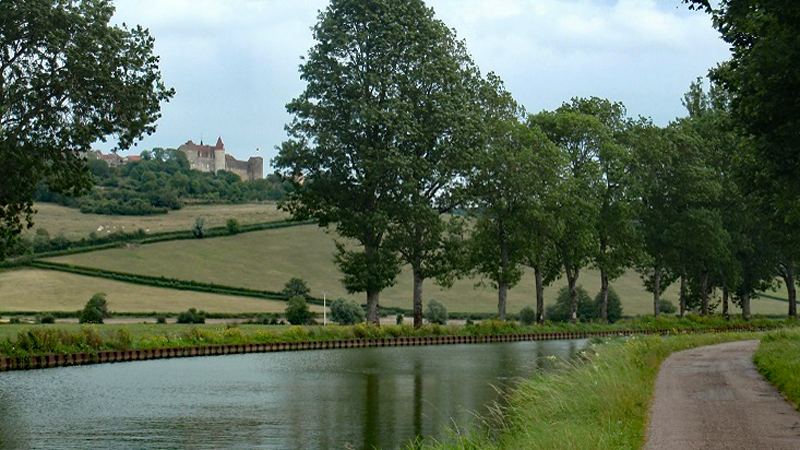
<point>714,398</point>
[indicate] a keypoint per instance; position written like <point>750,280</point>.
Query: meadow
<point>265,260</point>
<point>75,225</point>
<point>44,290</point>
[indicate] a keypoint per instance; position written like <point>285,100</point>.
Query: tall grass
<point>600,402</point>
<point>778,359</point>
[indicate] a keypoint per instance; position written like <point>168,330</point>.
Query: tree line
<point>397,128</point>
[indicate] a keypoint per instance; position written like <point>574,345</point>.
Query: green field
<point>75,225</point>
<point>267,259</point>
<point>44,290</point>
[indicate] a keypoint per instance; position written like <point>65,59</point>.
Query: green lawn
<point>267,259</point>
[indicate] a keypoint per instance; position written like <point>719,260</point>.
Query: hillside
<point>266,259</point>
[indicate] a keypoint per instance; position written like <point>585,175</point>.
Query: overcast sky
<point>233,63</point>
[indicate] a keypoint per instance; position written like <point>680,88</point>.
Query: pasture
<point>267,259</point>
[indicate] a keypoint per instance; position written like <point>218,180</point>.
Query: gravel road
<point>714,398</point>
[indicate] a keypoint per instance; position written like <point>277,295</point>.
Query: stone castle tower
<point>206,158</point>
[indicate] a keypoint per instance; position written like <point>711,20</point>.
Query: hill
<point>267,259</point>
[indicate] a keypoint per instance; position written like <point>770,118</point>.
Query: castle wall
<point>212,159</point>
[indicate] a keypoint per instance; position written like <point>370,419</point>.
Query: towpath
<point>714,398</point>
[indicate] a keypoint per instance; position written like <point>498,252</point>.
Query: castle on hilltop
<point>206,158</point>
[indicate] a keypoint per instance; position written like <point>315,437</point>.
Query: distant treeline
<point>162,181</point>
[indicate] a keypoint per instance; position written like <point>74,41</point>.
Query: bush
<point>192,316</point>
<point>233,226</point>
<point>436,312</point>
<point>95,311</point>
<point>199,229</point>
<point>47,318</point>
<point>346,312</point>
<point>161,318</point>
<point>399,319</point>
<point>667,307</point>
<point>296,287</point>
<point>559,312</point>
<point>527,316</point>
<point>614,306</point>
<point>297,312</point>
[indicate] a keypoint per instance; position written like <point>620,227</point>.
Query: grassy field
<point>778,358</point>
<point>75,225</point>
<point>267,259</point>
<point>42,290</point>
<point>600,404</point>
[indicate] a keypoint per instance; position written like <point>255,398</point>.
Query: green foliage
<point>68,80</point>
<point>161,319</point>
<point>399,318</point>
<point>192,315</point>
<point>560,310</point>
<point>199,229</point>
<point>527,316</point>
<point>296,287</point>
<point>346,312</point>
<point>778,359</point>
<point>233,226</point>
<point>297,312</point>
<point>95,311</point>
<point>436,312</point>
<point>614,306</point>
<point>47,318</point>
<point>667,307</point>
<point>98,301</point>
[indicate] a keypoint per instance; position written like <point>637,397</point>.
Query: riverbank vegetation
<point>600,402</point>
<point>24,340</point>
<point>778,359</point>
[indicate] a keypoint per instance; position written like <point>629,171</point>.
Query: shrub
<point>346,312</point>
<point>233,226</point>
<point>667,307</point>
<point>90,315</point>
<point>527,316</point>
<point>14,320</point>
<point>47,318</point>
<point>192,316</point>
<point>614,306</point>
<point>436,312</point>
<point>98,301</point>
<point>559,312</point>
<point>296,287</point>
<point>199,229</point>
<point>297,312</point>
<point>399,319</point>
<point>161,318</point>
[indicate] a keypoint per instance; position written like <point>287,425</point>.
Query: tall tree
<point>360,149</point>
<point>67,79</point>
<point>517,164</point>
<point>578,137</point>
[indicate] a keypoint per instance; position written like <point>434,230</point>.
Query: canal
<point>315,400</point>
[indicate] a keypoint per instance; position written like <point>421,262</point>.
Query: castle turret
<point>219,156</point>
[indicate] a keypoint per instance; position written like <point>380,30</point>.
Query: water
<point>316,400</point>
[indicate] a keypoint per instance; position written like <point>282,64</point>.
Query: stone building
<point>206,158</point>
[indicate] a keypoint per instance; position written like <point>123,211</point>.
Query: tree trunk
<point>725,295</point>
<point>539,295</point>
<point>604,296</point>
<point>656,291</point>
<point>790,287</point>
<point>746,305</point>
<point>572,280</point>
<point>704,292</point>
<point>372,307</point>
<point>683,295</point>
<point>418,280</point>
<point>502,294</point>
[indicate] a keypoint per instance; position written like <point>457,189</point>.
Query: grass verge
<point>778,359</point>
<point>598,403</point>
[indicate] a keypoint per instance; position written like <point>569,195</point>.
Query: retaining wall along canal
<point>110,356</point>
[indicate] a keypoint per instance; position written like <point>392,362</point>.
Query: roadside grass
<point>598,403</point>
<point>778,359</point>
<point>265,260</point>
<point>75,225</point>
<point>45,290</point>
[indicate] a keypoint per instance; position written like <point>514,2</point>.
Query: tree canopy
<point>67,79</point>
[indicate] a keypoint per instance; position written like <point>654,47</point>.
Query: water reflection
<point>358,398</point>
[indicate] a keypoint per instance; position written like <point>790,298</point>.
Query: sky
<point>234,63</point>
